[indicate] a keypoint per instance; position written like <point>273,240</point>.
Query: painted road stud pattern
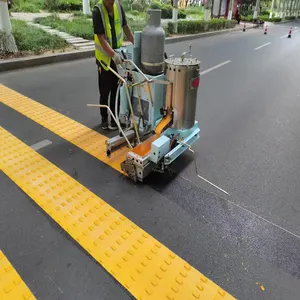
<point>145,267</point>
<point>12,287</point>
<point>79,135</point>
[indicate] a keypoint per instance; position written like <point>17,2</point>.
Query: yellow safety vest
<point>99,51</point>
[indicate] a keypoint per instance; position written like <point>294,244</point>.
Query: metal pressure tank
<point>153,44</point>
<point>184,73</point>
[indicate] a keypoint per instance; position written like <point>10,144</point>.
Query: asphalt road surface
<point>248,111</point>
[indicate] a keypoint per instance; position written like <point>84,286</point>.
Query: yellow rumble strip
<point>81,136</point>
<point>146,268</point>
<point>11,285</point>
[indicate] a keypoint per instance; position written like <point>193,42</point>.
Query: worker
<point>238,16</point>
<point>109,21</point>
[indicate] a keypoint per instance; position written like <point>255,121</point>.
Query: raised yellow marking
<point>81,136</point>
<point>146,268</point>
<point>12,287</point>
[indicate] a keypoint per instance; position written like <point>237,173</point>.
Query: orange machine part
<point>144,148</point>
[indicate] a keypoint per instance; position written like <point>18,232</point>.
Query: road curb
<point>27,62</point>
<point>177,39</point>
<point>286,21</point>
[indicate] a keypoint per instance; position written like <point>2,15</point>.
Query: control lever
<point>124,55</point>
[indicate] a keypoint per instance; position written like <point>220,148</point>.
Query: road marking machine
<point>155,103</point>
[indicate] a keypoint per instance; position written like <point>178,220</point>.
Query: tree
<point>7,40</point>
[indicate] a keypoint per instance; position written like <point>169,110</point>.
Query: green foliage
<point>264,13</point>
<point>81,26</point>
<point>63,5</point>
<point>69,5</point>
<point>194,10</point>
<point>93,2</point>
<point>192,27</point>
<point>29,38</point>
<point>78,13</point>
<point>181,14</point>
<point>32,6</point>
<point>51,5</point>
<point>266,18</point>
<point>155,5</point>
<point>136,13</point>
<point>137,6</point>
<point>166,12</point>
<point>137,26</point>
<point>247,18</point>
<point>125,3</point>
<point>290,18</point>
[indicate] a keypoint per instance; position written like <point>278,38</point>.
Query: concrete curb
<point>177,39</point>
<point>27,62</point>
<point>33,61</point>
<point>286,21</point>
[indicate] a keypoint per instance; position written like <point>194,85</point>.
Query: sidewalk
<point>29,17</point>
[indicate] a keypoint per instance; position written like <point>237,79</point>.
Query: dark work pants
<point>108,84</point>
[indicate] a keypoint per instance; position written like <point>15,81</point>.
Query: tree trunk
<point>85,7</point>
<point>7,40</point>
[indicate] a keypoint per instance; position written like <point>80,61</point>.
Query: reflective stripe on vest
<point>100,54</point>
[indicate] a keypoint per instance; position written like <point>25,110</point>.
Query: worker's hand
<point>117,58</point>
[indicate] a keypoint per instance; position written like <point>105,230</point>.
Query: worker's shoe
<point>113,126</point>
<point>104,125</point>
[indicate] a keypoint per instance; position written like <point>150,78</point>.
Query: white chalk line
<point>212,184</point>
<point>250,212</point>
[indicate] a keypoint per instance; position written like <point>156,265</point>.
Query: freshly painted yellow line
<point>81,136</point>
<point>145,267</point>
<point>12,287</point>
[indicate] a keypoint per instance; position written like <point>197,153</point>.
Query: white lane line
<point>296,30</point>
<point>264,45</point>
<point>40,145</point>
<point>284,36</point>
<point>215,67</point>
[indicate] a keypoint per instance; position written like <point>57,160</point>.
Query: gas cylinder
<point>153,44</point>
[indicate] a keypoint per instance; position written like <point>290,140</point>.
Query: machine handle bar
<point>128,99</point>
<point>113,116</point>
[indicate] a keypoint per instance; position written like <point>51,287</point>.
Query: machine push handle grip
<point>165,54</point>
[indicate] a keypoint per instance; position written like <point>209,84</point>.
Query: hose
<point>173,140</point>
